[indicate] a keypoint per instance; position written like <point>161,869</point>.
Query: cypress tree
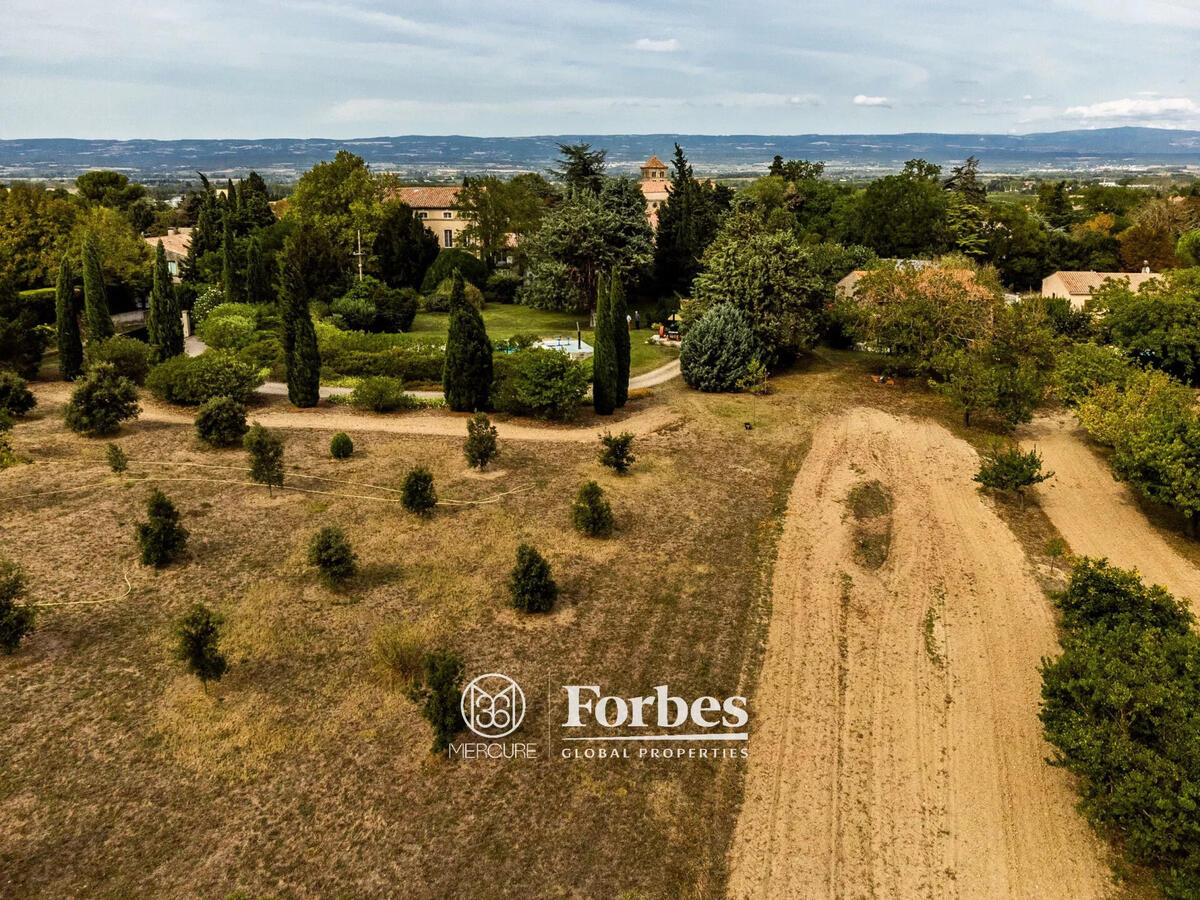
<point>604,355</point>
<point>467,374</point>
<point>229,276</point>
<point>159,310</point>
<point>258,280</point>
<point>618,311</point>
<point>170,326</point>
<point>66,319</point>
<point>301,357</point>
<point>97,320</point>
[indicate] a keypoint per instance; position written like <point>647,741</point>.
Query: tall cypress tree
<point>258,279</point>
<point>229,267</point>
<point>66,321</point>
<point>604,355</point>
<point>467,374</point>
<point>302,359</point>
<point>164,322</point>
<point>97,320</point>
<point>618,311</point>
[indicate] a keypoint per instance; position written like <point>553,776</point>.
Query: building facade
<point>437,208</point>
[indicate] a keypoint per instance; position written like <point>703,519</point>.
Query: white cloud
<point>864,100</point>
<point>1144,108</point>
<point>804,100</point>
<point>670,45</point>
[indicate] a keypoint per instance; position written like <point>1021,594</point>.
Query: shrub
<point>591,513</point>
<point>1081,368</point>
<point>399,653</point>
<point>501,287</point>
<point>266,456</point>
<point>355,353</point>
<point>418,495</point>
<point>396,309</point>
<point>471,267</point>
<point>718,349</point>
<point>353,312</point>
<point>539,382</point>
<point>340,446</point>
<point>208,300</point>
<point>330,552</point>
<point>193,380</point>
<point>754,381</point>
<point>16,621</point>
<point>1011,469</point>
<point>117,460</point>
<point>7,456</point>
<point>162,538</point>
<point>101,402</point>
<point>382,394</point>
<point>615,451</point>
<point>227,332</point>
<point>221,422</point>
<point>480,448</point>
<point>371,306</point>
<point>15,396</point>
<point>531,587</point>
<point>439,300</point>
<point>440,695</point>
<point>197,638</point>
<point>129,357</point>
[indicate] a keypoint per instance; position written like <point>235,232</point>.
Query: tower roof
<point>654,163</point>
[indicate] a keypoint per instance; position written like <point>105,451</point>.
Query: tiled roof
<point>429,197</point>
<point>175,244</point>
<point>1086,282</point>
<point>654,163</point>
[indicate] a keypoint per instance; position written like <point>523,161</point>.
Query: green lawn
<point>503,321</point>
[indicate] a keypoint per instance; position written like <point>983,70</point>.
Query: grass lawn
<point>504,320</point>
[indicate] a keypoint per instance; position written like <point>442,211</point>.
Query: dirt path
<point>439,423</point>
<point>896,749</point>
<point>1097,514</point>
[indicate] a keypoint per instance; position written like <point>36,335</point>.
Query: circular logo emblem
<point>493,705</point>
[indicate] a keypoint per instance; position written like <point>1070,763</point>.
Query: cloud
<point>864,100</point>
<point>804,100</point>
<point>670,45</point>
<point>1143,108</point>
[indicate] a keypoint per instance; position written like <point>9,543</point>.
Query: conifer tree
<point>604,355</point>
<point>302,359</point>
<point>66,319</point>
<point>266,456</point>
<point>170,324</point>
<point>467,373</point>
<point>97,320</point>
<point>229,267</point>
<point>197,637</point>
<point>160,303</point>
<point>258,279</point>
<point>618,312</point>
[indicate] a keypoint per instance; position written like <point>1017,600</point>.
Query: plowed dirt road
<point>896,749</point>
<point>1098,515</point>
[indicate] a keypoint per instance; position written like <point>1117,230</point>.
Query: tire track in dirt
<point>896,749</point>
<point>1098,515</point>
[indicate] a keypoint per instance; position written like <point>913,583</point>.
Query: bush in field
<point>616,451</point>
<point>501,287</point>
<point>193,380</point>
<point>266,456</point>
<point>1011,469</point>
<point>399,653</point>
<point>718,349</point>
<point>382,394</point>
<point>131,358</point>
<point>371,306</point>
<point>15,396</point>
<point>7,456</point>
<point>1120,707</point>
<point>353,312</point>
<point>340,446</point>
<point>417,493</point>
<point>480,448</point>
<point>1081,368</point>
<point>539,382</point>
<point>470,266</point>
<point>227,332</point>
<point>197,640</point>
<point>116,458</point>
<point>101,401</point>
<point>440,299</point>
<point>440,695</point>
<point>329,551</point>
<point>531,587</point>
<point>162,538</point>
<point>591,513</point>
<point>16,620</point>
<point>221,422</point>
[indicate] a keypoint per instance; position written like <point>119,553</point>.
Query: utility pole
<point>359,254</point>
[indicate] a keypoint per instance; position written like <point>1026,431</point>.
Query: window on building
<point>447,238</point>
<point>447,215</point>
<point>421,214</point>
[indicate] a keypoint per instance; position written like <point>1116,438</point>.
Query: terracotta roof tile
<point>429,197</point>
<point>1086,282</point>
<point>654,163</point>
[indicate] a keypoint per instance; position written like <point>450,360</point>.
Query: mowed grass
<point>503,321</point>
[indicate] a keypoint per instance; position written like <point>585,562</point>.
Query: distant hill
<point>413,156</point>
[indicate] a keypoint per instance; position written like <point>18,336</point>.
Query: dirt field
<point>1098,515</point>
<point>896,750</point>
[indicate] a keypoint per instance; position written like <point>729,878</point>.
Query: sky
<point>352,68</point>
